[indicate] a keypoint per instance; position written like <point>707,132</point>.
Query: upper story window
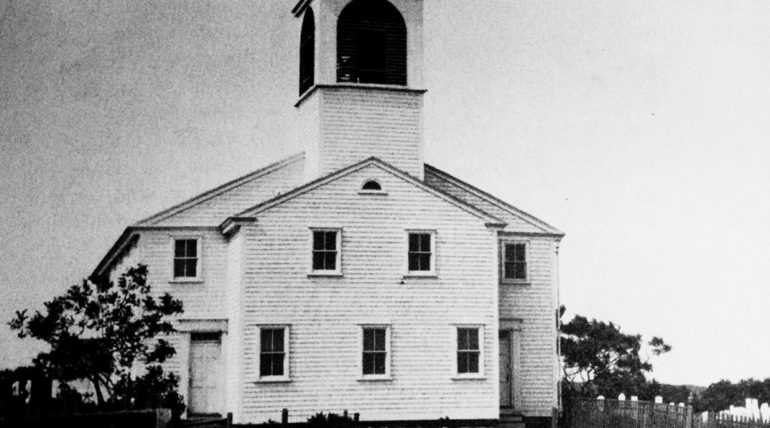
<point>371,186</point>
<point>514,262</point>
<point>326,251</point>
<point>421,253</point>
<point>307,52</point>
<point>371,43</point>
<point>274,353</point>
<point>187,264</point>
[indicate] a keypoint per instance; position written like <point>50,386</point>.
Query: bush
<point>332,420</point>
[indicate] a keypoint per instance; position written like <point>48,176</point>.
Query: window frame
<point>456,350</point>
<point>421,273</point>
<point>338,260</point>
<point>286,351</point>
<point>199,257</point>
<point>503,278</point>
<point>374,377</point>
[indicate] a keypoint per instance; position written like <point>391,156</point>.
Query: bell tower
<point>360,83</point>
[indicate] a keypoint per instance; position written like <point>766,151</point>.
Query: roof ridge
<point>529,218</point>
<point>209,194</point>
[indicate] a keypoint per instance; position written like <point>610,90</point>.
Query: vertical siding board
<point>325,313</point>
<point>233,366</point>
<point>309,132</point>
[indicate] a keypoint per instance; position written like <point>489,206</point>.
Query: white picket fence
<point>752,410</point>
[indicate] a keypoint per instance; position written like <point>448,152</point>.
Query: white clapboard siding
<point>325,313</point>
<point>516,223</point>
<point>214,210</point>
<point>201,300</point>
<point>535,304</point>
<point>348,124</point>
<point>129,258</point>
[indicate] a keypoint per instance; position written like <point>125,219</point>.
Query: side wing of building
<point>528,305</point>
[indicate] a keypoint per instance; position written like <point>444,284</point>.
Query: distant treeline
<point>722,394</point>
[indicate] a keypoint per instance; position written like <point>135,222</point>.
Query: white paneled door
<point>206,390</point>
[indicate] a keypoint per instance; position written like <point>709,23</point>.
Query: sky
<point>640,128</point>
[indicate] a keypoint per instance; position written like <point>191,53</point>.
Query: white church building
<point>353,276</point>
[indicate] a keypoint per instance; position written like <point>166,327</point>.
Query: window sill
<point>381,378</point>
<point>186,281</point>
<point>373,193</point>
<point>322,274</point>
<point>420,275</point>
<point>277,379</point>
<point>511,282</point>
<point>469,377</point>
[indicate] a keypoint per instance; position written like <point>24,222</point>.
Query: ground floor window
<point>375,344</point>
<point>469,360</point>
<point>273,352</point>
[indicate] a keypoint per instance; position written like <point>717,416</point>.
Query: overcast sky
<point>640,128</point>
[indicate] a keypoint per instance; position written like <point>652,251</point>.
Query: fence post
<point>285,416</point>
<point>229,420</point>
<point>554,417</point>
<point>162,418</point>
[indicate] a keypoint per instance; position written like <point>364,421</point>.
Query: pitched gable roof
<point>220,191</point>
<point>472,195</point>
<point>489,219</point>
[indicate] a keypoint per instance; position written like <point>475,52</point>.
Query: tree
<point>670,393</point>
<point>107,332</point>
<point>721,395</point>
<point>600,359</point>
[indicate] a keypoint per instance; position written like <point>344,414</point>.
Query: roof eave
<point>547,228</point>
<point>198,199</point>
<point>231,225</point>
<point>128,238</point>
<point>300,7</point>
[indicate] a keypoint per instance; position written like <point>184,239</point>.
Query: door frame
<point>508,336</point>
<point>514,329</point>
<point>220,337</point>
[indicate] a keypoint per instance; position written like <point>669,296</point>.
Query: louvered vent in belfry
<point>307,52</point>
<point>371,43</point>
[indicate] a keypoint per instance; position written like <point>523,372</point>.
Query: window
<point>186,258</point>
<point>326,251</point>
<point>514,261</point>
<point>371,43</point>
<point>469,360</point>
<point>372,185</point>
<point>421,260</point>
<point>371,56</point>
<point>375,361</point>
<point>273,353</point>
<point>307,52</point>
